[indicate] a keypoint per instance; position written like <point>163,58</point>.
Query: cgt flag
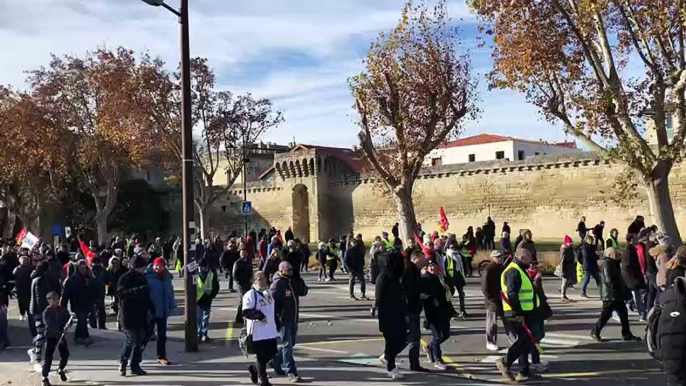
<point>86,252</point>
<point>21,236</point>
<point>443,223</point>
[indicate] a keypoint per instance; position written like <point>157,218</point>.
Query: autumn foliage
<point>416,92</point>
<point>604,70</point>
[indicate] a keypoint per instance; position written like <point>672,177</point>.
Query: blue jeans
<point>203,316</point>
<point>413,337</point>
<point>134,342</point>
<point>440,332</point>
<point>587,279</point>
<point>287,336</point>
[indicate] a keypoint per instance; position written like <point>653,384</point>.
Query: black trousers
<point>606,314</point>
<point>332,269</point>
<point>414,335</point>
<point>50,346</point>
<point>520,349</point>
<point>357,276</point>
<point>98,316</point>
<point>239,312</point>
<point>395,341</point>
<point>265,350</point>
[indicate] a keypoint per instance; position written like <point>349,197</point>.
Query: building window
<point>499,154</point>
<point>472,157</point>
<point>537,153</point>
<point>520,155</point>
<point>436,161</point>
<point>669,128</point>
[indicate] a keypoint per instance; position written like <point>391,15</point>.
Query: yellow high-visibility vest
<point>205,286</point>
<point>613,243</point>
<point>527,299</point>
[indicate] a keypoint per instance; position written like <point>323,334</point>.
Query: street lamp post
<point>191,334</point>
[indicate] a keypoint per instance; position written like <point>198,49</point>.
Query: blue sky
<point>300,53</point>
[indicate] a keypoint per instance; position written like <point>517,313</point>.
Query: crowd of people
<point>58,287</point>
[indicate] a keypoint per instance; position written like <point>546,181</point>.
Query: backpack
<point>666,330</point>
<point>652,337</point>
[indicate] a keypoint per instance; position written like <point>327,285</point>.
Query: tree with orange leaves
<point>415,93</point>
<point>604,69</point>
<point>96,100</point>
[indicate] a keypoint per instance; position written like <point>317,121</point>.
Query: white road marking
<point>309,348</point>
<point>569,336</point>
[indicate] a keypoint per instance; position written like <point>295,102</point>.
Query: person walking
<point>286,289</point>
<point>242,275</point>
<point>22,286</point>
<point>390,308</point>
<point>581,229</point>
<point>271,266</point>
<point>115,271</point>
<point>259,311</point>
<point>207,290</point>
<point>437,313</point>
<point>98,315</point>
<point>262,248</point>
<point>613,296</point>
<point>412,291</point>
<point>227,260</point>
<point>598,234</point>
<point>80,292</point>
<point>505,243</point>
<point>519,304</point>
<point>41,285</point>
<point>490,287</point>
<point>56,319</point>
<point>294,257</point>
<point>633,275</point>
<point>321,257</point>
<point>567,268</point>
<point>454,273</point>
<point>589,262</point>
<point>163,303</point>
<point>354,260</point>
<point>135,314</point>
<point>612,241</point>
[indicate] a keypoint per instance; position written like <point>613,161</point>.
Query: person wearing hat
<point>294,257</point>
<point>208,288</point>
<point>80,291</point>
<point>135,308</point>
<point>612,294</point>
<point>490,287</point>
<point>286,290</point>
<point>115,271</point>
<point>436,311</point>
<point>162,298</point>
<point>567,267</point>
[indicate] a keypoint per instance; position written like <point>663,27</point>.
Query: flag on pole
<point>21,236</point>
<point>443,223</point>
<point>86,252</point>
<point>30,241</point>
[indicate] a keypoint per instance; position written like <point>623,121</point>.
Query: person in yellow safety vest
<point>387,243</point>
<point>612,241</point>
<point>519,304</point>
<point>455,273</point>
<point>207,290</point>
<point>332,259</point>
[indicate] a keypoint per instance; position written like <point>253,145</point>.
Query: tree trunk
<point>405,208</point>
<point>204,214</point>
<point>661,208</point>
<point>101,225</point>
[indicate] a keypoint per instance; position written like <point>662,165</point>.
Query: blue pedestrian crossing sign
<point>246,208</point>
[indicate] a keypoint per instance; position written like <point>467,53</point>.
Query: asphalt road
<point>339,344</point>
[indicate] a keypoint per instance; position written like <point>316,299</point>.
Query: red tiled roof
<point>482,139</point>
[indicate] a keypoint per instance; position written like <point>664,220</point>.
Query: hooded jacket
<point>661,255</point>
<point>589,257</point>
<point>22,282</point>
<point>411,287</point>
<point>388,293</point>
<point>161,292</point>
<point>41,285</point>
<point>81,291</point>
<point>568,262</point>
<point>354,259</point>
<point>296,258</point>
<point>612,287</point>
<point>271,267</point>
<point>134,300</point>
<point>434,299</point>
<point>242,273</point>
<point>631,269</point>
<point>287,301</point>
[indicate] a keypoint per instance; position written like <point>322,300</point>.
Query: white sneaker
<point>38,368</point>
<point>319,279</point>
<point>492,347</point>
<point>328,279</point>
<point>440,365</point>
<point>539,367</point>
<point>382,359</point>
<point>21,318</point>
<point>395,374</point>
<point>32,356</point>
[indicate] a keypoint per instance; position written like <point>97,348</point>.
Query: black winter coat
<point>354,260</point>
<point>434,299</point>
<point>41,285</point>
<point>672,274</point>
<point>135,305</point>
<point>228,258</point>
<point>286,299</point>
<point>271,266</point>
<point>490,286</point>
<point>22,282</point>
<point>631,269</point>
<point>671,334</point>
<point>242,273</point>
<point>411,286</point>
<point>589,257</point>
<point>80,292</point>
<point>296,259</point>
<point>388,292</point>
<point>612,287</point>
<point>112,279</point>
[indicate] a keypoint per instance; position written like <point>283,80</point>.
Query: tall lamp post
<point>191,334</point>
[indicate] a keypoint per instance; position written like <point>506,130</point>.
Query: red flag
<point>443,223</point>
<point>21,236</point>
<point>86,252</point>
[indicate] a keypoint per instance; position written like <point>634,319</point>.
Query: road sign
<point>246,208</point>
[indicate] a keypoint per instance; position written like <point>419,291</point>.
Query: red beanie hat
<point>159,261</point>
<point>568,240</point>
